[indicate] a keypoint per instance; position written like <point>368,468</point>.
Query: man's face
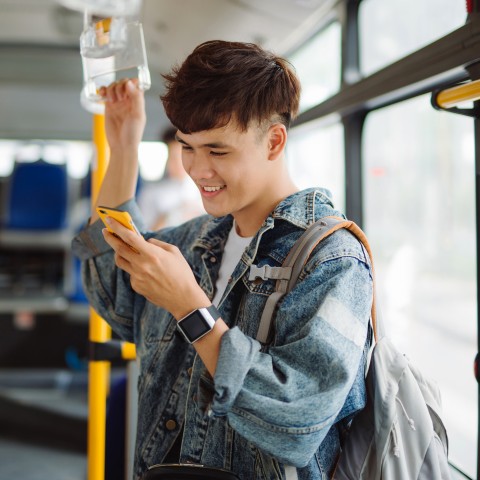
<point>231,168</point>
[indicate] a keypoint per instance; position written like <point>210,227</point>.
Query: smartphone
<point>121,217</point>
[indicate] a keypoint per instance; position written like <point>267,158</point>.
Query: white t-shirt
<point>232,253</point>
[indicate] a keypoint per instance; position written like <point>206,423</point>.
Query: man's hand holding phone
<point>121,217</point>
<point>158,270</point>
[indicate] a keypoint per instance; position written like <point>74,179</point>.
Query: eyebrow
<point>208,145</point>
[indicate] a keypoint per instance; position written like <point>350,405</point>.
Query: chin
<point>215,212</point>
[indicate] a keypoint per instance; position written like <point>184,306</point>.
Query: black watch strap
<point>212,309</point>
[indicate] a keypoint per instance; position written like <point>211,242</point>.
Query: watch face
<point>194,326</point>
<point>198,323</point>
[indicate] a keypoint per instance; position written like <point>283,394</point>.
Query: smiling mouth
<point>213,189</point>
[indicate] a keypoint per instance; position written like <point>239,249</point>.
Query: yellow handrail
<point>99,375</point>
<point>451,97</point>
<point>99,331</point>
<point>128,351</point>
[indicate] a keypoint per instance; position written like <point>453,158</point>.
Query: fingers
<point>166,246</point>
<point>132,253</point>
<point>123,263</point>
<point>124,235</point>
<point>116,242</point>
<point>120,90</point>
<point>121,249</point>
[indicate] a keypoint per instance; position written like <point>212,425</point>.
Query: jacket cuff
<point>237,355</point>
<point>90,242</point>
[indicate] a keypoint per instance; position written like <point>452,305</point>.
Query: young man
<point>231,402</point>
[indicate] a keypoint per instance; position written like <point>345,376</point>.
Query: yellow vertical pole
<point>99,331</point>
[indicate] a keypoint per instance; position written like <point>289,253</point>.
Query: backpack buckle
<point>267,272</point>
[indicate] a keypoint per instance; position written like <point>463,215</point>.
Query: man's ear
<point>277,139</point>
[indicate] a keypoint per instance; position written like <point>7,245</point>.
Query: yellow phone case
<point>121,217</point>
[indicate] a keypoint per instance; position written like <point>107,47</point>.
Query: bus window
<point>419,212</point>
<point>7,157</point>
<point>315,157</point>
<point>152,160</point>
<point>318,66</point>
<point>391,30</point>
<point>78,155</point>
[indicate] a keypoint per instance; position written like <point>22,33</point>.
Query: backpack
<point>399,435</point>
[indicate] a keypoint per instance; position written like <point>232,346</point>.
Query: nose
<point>198,166</point>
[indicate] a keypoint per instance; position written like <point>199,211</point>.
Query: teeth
<point>212,189</point>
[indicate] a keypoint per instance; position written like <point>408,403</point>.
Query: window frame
<point>447,61</point>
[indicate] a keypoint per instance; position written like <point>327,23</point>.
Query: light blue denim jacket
<point>266,407</point>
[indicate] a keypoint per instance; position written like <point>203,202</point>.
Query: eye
<point>217,154</point>
<point>186,148</point>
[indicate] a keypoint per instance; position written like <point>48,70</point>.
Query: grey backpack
<point>399,435</point>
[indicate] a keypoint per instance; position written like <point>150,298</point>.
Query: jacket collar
<point>298,209</point>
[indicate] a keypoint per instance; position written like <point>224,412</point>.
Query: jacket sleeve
<point>107,287</point>
<point>285,398</point>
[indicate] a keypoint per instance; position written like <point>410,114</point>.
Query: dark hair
<point>168,135</point>
<point>220,80</point>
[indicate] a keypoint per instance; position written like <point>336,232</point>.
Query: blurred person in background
<point>173,199</point>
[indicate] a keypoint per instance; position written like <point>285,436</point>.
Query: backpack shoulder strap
<point>296,260</point>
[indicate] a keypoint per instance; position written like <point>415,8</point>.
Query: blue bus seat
<point>35,239</point>
<point>37,207</point>
<point>38,197</point>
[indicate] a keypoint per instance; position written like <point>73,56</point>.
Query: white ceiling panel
<point>39,50</point>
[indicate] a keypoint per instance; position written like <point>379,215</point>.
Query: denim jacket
<point>267,406</point>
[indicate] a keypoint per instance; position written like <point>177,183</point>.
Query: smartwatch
<point>198,323</point>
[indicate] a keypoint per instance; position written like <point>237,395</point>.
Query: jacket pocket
<point>266,467</point>
<point>205,392</point>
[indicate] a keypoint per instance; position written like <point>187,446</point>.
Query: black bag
<point>187,472</point>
